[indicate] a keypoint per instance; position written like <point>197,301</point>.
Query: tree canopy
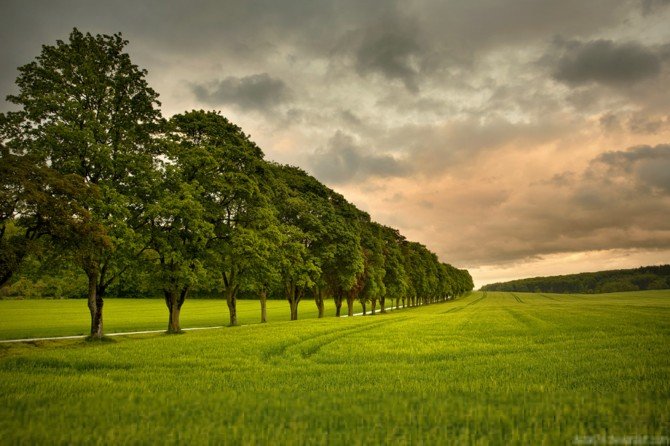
<point>85,111</point>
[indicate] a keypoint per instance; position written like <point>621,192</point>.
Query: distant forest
<point>638,279</point>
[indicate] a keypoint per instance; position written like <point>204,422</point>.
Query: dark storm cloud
<point>256,92</point>
<point>642,123</point>
<point>638,122</point>
<point>652,6</point>
<point>647,166</point>
<point>606,62</point>
<point>625,159</point>
<point>390,48</point>
<point>343,161</point>
<point>404,42</point>
<point>446,99</point>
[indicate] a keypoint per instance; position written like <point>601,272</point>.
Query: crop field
<point>490,368</point>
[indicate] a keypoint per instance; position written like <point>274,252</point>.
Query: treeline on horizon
<point>101,195</point>
<point>637,279</point>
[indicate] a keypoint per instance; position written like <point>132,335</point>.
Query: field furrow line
<point>516,296</point>
<point>322,341</point>
<point>521,319</point>
<point>283,348</point>
<point>453,310</point>
<point>549,297</point>
<point>476,301</point>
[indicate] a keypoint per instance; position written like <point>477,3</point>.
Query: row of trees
<point>94,176</point>
<point>637,279</point>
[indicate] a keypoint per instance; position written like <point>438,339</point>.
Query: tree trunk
<point>338,304</point>
<point>351,297</point>
<point>174,300</point>
<point>373,305</point>
<point>264,299</point>
<point>382,304</point>
<point>318,299</point>
<point>293,295</point>
<point>403,302</point>
<point>173,323</point>
<point>95,303</point>
<point>230,288</point>
<point>173,310</point>
<point>231,300</point>
<point>293,304</point>
<point>364,307</point>
<point>294,310</point>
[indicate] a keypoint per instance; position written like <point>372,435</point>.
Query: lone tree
<point>86,110</point>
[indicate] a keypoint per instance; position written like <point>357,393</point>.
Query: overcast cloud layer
<point>513,138</point>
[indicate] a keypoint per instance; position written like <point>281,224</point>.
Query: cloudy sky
<point>514,138</point>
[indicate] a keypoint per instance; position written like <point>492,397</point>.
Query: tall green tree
<point>305,210</point>
<point>372,279</point>
<point>342,271</point>
<point>413,265</point>
<point>395,279</point>
<point>85,109</point>
<point>179,234</point>
<point>229,168</point>
<point>298,268</point>
<point>261,256</point>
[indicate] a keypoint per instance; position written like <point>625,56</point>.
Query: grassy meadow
<point>42,318</point>
<point>490,368</point>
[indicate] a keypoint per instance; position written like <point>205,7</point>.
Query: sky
<point>513,138</point>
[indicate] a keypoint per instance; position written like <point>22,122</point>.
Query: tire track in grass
<point>283,348</point>
<point>452,310</point>
<point>332,338</point>
<point>549,297</point>
<point>516,296</point>
<point>520,318</point>
<point>462,307</point>
<point>530,319</point>
<point>476,301</point>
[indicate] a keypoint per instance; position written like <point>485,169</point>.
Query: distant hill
<point>643,278</point>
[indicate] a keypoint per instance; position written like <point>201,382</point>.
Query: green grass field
<point>42,318</point>
<point>495,368</point>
